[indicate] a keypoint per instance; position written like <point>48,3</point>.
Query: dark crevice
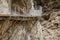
<point>46,17</point>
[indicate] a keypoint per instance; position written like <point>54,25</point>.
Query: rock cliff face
<point>50,5</point>
<point>26,7</point>
<point>4,7</point>
<point>50,19</point>
<point>20,29</point>
<point>32,29</point>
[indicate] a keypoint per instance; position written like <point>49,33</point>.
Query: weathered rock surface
<point>50,5</point>
<point>50,19</point>
<point>4,7</point>
<point>28,30</point>
<point>20,30</point>
<point>51,25</point>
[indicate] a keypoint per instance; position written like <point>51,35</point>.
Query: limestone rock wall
<point>50,5</point>
<point>4,7</point>
<point>31,30</point>
<point>20,30</point>
<point>50,19</point>
<point>51,25</point>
